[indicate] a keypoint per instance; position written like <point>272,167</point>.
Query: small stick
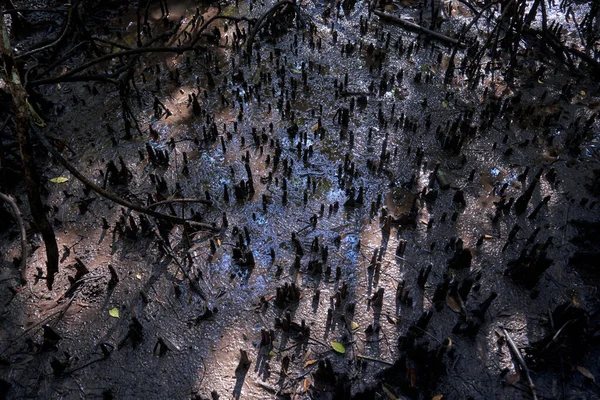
<point>19,218</point>
<point>373,359</point>
<point>521,361</point>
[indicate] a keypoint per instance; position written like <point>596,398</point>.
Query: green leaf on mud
<point>59,179</point>
<point>114,312</point>
<point>353,325</point>
<point>338,347</point>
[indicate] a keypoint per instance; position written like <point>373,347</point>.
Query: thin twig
<point>517,354</point>
<point>373,359</point>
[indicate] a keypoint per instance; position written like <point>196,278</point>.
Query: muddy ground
<point>402,225</point>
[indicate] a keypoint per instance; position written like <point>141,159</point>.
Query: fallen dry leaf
<point>512,379</point>
<point>306,384</point>
<point>412,374</point>
<point>453,304</point>
<point>310,362</point>
<point>585,372</point>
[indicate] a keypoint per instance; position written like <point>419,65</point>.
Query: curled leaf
<point>310,362</point>
<point>353,325</point>
<point>338,347</point>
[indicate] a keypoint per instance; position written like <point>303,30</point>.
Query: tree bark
<point>21,110</point>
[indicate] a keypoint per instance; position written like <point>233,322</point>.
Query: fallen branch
<point>411,25</point>
<point>517,354</point>
<point>135,207</point>
<point>19,218</point>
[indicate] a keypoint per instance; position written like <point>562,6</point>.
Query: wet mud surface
<point>382,231</point>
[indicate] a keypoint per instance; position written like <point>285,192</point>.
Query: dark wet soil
<point>381,232</point>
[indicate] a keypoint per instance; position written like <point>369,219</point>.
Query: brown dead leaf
<point>512,379</point>
<point>438,397</point>
<point>453,304</point>
<point>412,374</point>
<point>585,372</point>
<point>307,356</point>
<point>309,363</point>
<point>306,384</point>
